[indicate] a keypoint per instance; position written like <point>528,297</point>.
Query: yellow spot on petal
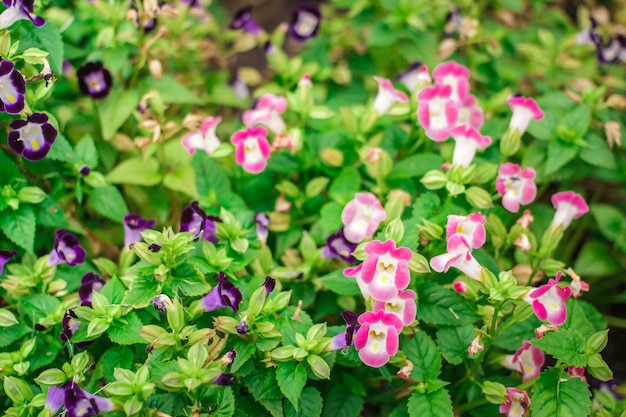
<point>528,369</point>
<point>70,256</point>
<point>459,229</point>
<point>35,144</point>
<point>344,253</point>
<point>11,98</point>
<point>554,305</point>
<point>192,230</point>
<point>375,347</point>
<point>383,279</point>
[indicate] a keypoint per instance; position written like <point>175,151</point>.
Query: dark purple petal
<point>29,140</point>
<point>67,249</point>
<point>225,379</point>
<point>69,325</point>
<point>89,283</point>
<point>269,284</point>
<point>84,170</point>
<point>210,229</point>
<point>94,80</point>
<point>337,246</point>
<point>229,357</point>
<point>5,256</point>
<point>80,403</point>
<point>243,20</point>
<point>305,21</point>
<point>224,294</point>
<point>154,248</point>
<point>193,219</point>
<point>12,88</point>
<point>242,327</point>
<point>134,224</point>
<point>159,302</point>
<point>262,222</point>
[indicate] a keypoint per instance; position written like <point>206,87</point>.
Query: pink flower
<point>460,287</point>
<point>517,402</point>
<point>577,372</point>
<point>472,227</point>
<point>204,139</point>
<point>524,110</point>
<point>362,216</point>
<point>577,285</point>
<point>459,255</point>
<point>282,141</point>
<point>251,149</point>
<point>544,328</point>
<point>548,301</point>
<point>386,269</point>
<point>416,75</point>
<point>356,274</point>
<point>436,112</point>
<point>476,346</point>
<point>523,242</point>
<point>528,360</point>
<point>468,141</point>
<point>516,185</point>
<point>456,76</point>
<point>569,206</point>
<point>402,306</point>
<point>267,112</point>
<point>387,96</point>
<point>377,339</point>
<point>470,113</point>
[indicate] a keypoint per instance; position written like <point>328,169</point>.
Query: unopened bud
<point>510,142</point>
<point>434,180</point>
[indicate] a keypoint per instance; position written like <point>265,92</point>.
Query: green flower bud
<point>434,180</point>
<point>80,362</point>
<point>394,230</point>
<point>96,327</point>
<point>316,332</point>
<point>32,195</point>
<point>494,392</point>
<point>485,172</point>
<point>455,189</point>
<point>133,406</point>
<point>283,353</point>
<point>118,389</point>
<point>369,120</point>
<point>510,142</point>
<point>321,113</point>
<point>226,324</point>
<point>300,353</point>
<point>597,342</point>
<point>488,278</point>
<point>478,197</point>
<point>197,356</point>
<point>51,376</point>
<point>174,380</point>
<point>17,390</point>
<point>175,315</point>
<point>95,179</point>
<point>552,266</point>
<point>332,157</point>
<point>598,368</point>
<point>319,366</point>
<point>150,332</point>
<point>316,186</point>
<point>430,230</point>
<point>7,318</point>
<point>141,249</point>
<point>419,264</point>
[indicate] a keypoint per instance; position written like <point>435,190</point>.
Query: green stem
<point>618,322</point>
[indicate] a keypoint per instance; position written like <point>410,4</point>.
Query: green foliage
<point>557,396</point>
<point>431,404</point>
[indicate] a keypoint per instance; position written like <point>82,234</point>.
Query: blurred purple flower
<point>224,294</point>
<point>89,283</point>
<point>32,138</point>
<point>5,256</point>
<point>262,222</point>
<point>243,20</point>
<point>269,284</point>
<point>337,246</point>
<point>84,170</point>
<point>19,10</point>
<point>305,21</point>
<point>242,327</point>
<point>66,249</point>
<point>344,339</point>
<point>225,379</point>
<point>69,325</point>
<point>454,21</point>
<point>94,80</point>
<point>12,88</point>
<point>192,219</point>
<point>134,224</point>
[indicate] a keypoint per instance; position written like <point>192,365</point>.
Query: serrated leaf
<point>340,402</point>
<point>115,109</point>
<point>109,202</point>
<point>291,379</point>
<point>559,154</point>
<point>434,404</point>
<point>142,290</point>
<point>544,129</point>
<point>10,334</point>
<point>125,331</point>
<point>310,404</point>
<point>61,150</point>
<point>38,306</point>
<point>597,153</point>
<point>50,213</point>
<point>182,179</point>
<point>513,336</point>
<point>113,290</point>
<point>46,38</point>
<point>453,342</point>
<point>136,171</point>
<point>416,165</point>
<point>423,353</point>
<point>565,345</point>
<point>345,185</point>
<point>244,352</point>
<point>19,226</point>
<point>226,401</point>
<point>439,305</point>
<point>578,119</point>
<point>86,152</point>
<point>555,395</point>
<point>44,354</point>
<point>8,168</point>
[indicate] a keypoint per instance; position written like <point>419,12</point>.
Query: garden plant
<point>348,208</point>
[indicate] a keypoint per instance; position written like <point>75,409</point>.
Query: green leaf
<point>37,306</point>
<point>339,284</point>
<point>86,152</point>
<point>109,202</point>
<point>382,35</point>
<point>171,91</point>
<point>439,305</point>
<point>434,404</point>
<point>226,401</point>
<point>136,171</point>
<point>592,260</point>
<point>310,404</point>
<point>340,402</point>
<point>513,336</point>
<point>453,342</point>
<point>115,109</point>
<point>579,119</point>
<point>291,379</point>
<point>565,345</point>
<point>44,354</point>
<point>597,153</point>
<point>113,290</point>
<point>125,331</point>
<point>347,183</point>
<point>556,395</point>
<point>19,226</point>
<point>61,150</point>
<point>559,154</point>
<point>544,129</point>
<point>46,38</point>
<point>244,352</point>
<point>10,334</point>
<point>182,179</point>
<point>142,290</point>
<point>423,353</point>
<point>50,213</point>
<point>611,221</point>
<point>8,168</point>
<point>416,165</point>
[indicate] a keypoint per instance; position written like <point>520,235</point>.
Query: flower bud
<point>418,264</point>
<point>434,180</point>
<point>494,392</point>
<point>552,266</point>
<point>319,366</point>
<point>51,376</point>
<point>394,230</point>
<point>32,195</point>
<point>316,332</point>
<point>332,157</point>
<point>478,197</point>
<point>7,318</point>
<point>17,390</point>
<point>597,342</point>
<point>510,142</point>
<point>283,353</point>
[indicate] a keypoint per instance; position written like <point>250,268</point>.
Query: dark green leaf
<point>611,221</point>
<point>174,92</point>
<point>310,404</point>
<point>61,150</point>
<point>555,395</point>
<point>291,379</point>
<point>244,352</point>
<point>347,183</point>
<point>10,334</point>
<point>340,284</point>
<point>8,168</point>
<point>592,260</point>
<point>109,202</point>
<point>342,403</point>
<point>434,404</point>
<point>423,353</point>
<point>45,353</point>
<point>439,305</point>
<point>46,38</point>
<point>38,306</point>
<point>226,401</point>
<point>597,153</point>
<point>513,336</point>
<point>125,331</point>
<point>565,345</point>
<point>382,35</point>
<point>544,129</point>
<point>19,226</point>
<point>416,165</point>
<point>578,119</point>
<point>559,154</point>
<point>50,213</point>
<point>453,342</point>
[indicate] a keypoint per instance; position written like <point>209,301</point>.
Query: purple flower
<point>242,327</point>
<point>229,357</point>
<point>613,51</point>
<point>134,224</point>
<point>224,294</point>
<point>225,379</point>
<point>19,10</point>
<point>269,284</point>
<point>12,88</point>
<point>454,21</point>
<point>80,403</point>
<point>337,246</point>
<point>84,170</point>
<point>67,249</point>
<point>160,302</point>
<point>94,80</point>
<point>210,228</point>
<point>344,339</point>
<point>192,219</point>
<point>32,138</point>
<point>262,222</point>
<point>305,21</point>
<point>69,325</point>
<point>89,283</point>
<point>154,248</point>
<point>5,256</point>
<point>243,20</point>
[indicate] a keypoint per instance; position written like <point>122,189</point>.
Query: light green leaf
<point>291,379</point>
<point>113,290</point>
<point>174,92</point>
<point>565,345</point>
<point>579,119</point>
<point>559,154</point>
<point>116,109</point>
<point>86,152</point>
<point>61,150</point>
<point>125,331</point>
<point>38,306</point>
<point>416,165</point>
<point>244,352</point>
<point>340,284</point>
<point>597,153</point>
<point>19,226</point>
<point>136,171</point>
<point>109,202</point>
<point>423,353</point>
<point>46,37</point>
<point>439,305</point>
<point>310,404</point>
<point>182,179</point>
<point>611,221</point>
<point>555,395</point>
<point>345,186</point>
<point>382,35</point>
<point>454,341</point>
<point>434,404</point>
<point>544,129</point>
<point>142,290</point>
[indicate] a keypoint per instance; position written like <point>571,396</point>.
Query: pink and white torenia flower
<point>402,306</point>
<point>356,274</point>
<point>470,113</point>
<point>251,149</point>
<point>569,205</point>
<point>387,96</point>
<point>362,216</point>
<point>517,401</point>
<point>472,227</point>
<point>456,76</point>
<point>528,360</point>
<point>386,269</point>
<point>516,185</point>
<point>204,139</point>
<point>436,111</point>
<point>267,112</point>
<point>524,110</point>
<point>577,372</point>
<point>459,255</point>
<point>377,339</point>
<point>468,141</point>
<point>548,301</point>
<point>416,75</point>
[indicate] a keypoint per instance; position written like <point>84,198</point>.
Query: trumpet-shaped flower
<point>305,21</point>
<point>337,246</point>
<point>386,269</point>
<point>204,139</point>
<point>262,222</point>
<point>402,306</point>
<point>362,216</point>
<point>67,250</point>
<point>529,360</point>
<point>244,21</point>
<point>569,205</point>
<point>251,149</point>
<point>548,301</point>
<point>456,76</point>
<point>577,372</point>
<point>267,112</point>
<point>32,138</point>
<point>377,339</point>
<point>12,88</point>
<point>5,256</point>
<point>134,224</point>
<point>524,110</point>
<point>192,219</point>
<point>468,141</point>
<point>470,113</point>
<point>416,75</point>
<point>472,227</point>
<point>516,185</point>
<point>436,112</point>
<point>224,294</point>
<point>387,96</point>
<point>94,80</point>
<point>344,339</point>
<point>19,10</point>
<point>80,403</point>
<point>356,274</point>
<point>89,283</point>
<point>459,255</point>
<point>517,402</point>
